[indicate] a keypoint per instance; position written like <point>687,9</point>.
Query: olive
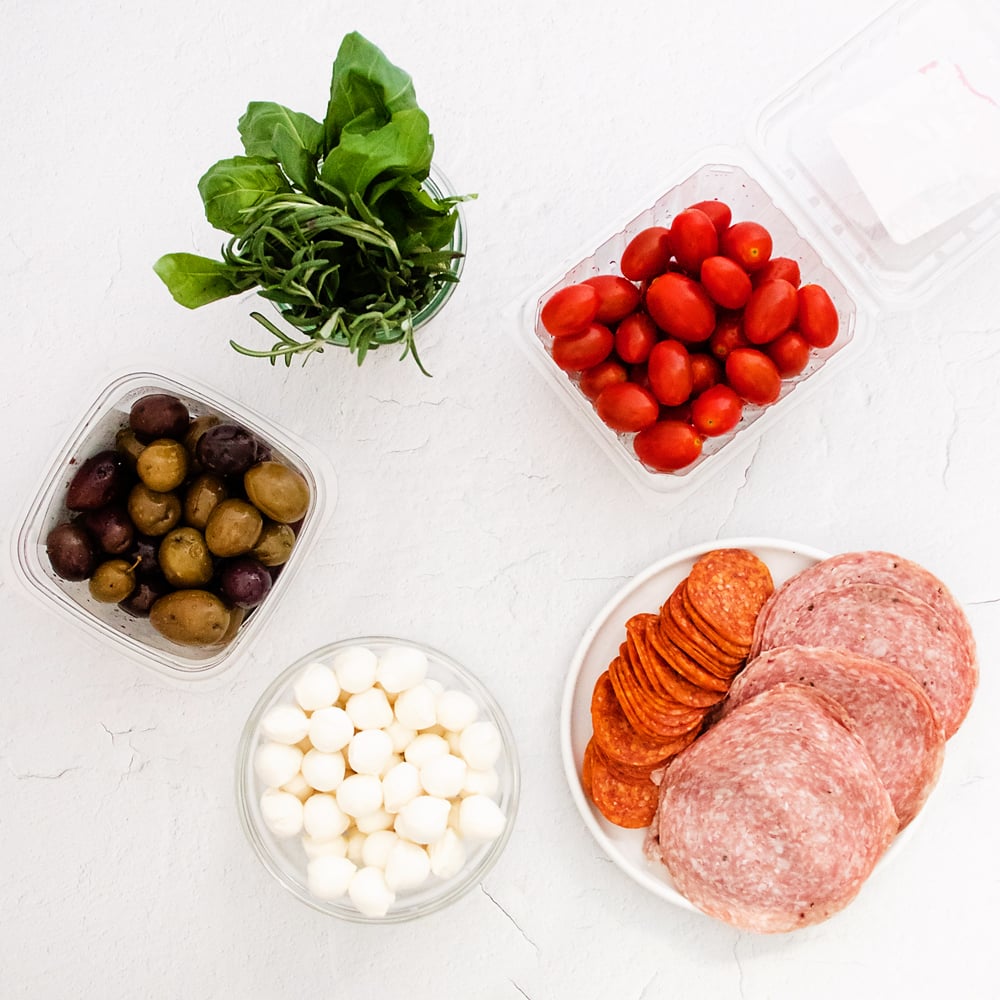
<point>128,445</point>
<point>163,465</point>
<point>203,495</point>
<point>279,492</point>
<point>112,581</point>
<point>146,593</point>
<point>227,449</point>
<point>72,552</point>
<point>184,558</point>
<point>152,512</point>
<point>233,528</point>
<point>244,581</point>
<point>111,528</point>
<point>143,554</point>
<point>195,432</point>
<point>101,479</point>
<point>158,415</point>
<point>191,618</point>
<point>275,544</point>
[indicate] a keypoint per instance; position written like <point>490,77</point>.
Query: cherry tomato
<point>627,407</point>
<point>748,243</point>
<point>718,211</point>
<point>670,375</point>
<point>817,316</point>
<point>778,267</point>
<point>789,352</point>
<point>727,335</point>
<point>594,380</point>
<point>753,375</point>
<point>726,282</point>
<point>693,238</point>
<point>770,311</point>
<point>635,337</point>
<point>618,297</point>
<point>716,411</point>
<point>647,254</point>
<point>583,350</point>
<point>706,371</point>
<point>681,307</point>
<point>570,310</point>
<point>668,445</point>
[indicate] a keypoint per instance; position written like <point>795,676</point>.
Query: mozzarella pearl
<point>329,876</point>
<point>369,751</point>
<point>377,846</point>
<point>402,736</point>
<point>456,710</point>
<point>423,747</point>
<point>400,784</point>
<point>401,668</point>
<point>322,818</point>
<point>282,812</point>
<point>317,687</point>
<point>374,821</point>
<point>323,771</point>
<point>298,786</point>
<point>356,846</point>
<point>485,782</point>
<point>285,724</point>
<point>447,856</point>
<point>406,866</point>
<point>415,707</point>
<point>443,776</point>
<point>423,819</point>
<point>369,893</point>
<point>360,794</point>
<point>480,745</point>
<point>336,847</point>
<point>330,729</point>
<point>277,763</point>
<point>369,709</point>
<point>480,818</point>
<point>355,668</point>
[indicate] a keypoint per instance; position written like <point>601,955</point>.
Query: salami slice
<point>888,710</point>
<point>774,818</point>
<point>886,623</point>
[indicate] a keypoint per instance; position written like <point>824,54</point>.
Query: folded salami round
<point>887,708</point>
<point>775,817</point>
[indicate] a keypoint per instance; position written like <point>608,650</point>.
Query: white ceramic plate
<point>599,646</point>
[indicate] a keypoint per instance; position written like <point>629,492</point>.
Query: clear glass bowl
<point>109,624</point>
<point>286,860</point>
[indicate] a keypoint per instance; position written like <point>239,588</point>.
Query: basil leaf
<point>195,281</point>
<point>298,162</point>
<point>364,80</point>
<point>231,187</point>
<point>258,124</point>
<point>402,146</point>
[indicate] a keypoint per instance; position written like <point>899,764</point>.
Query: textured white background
<point>474,514</point>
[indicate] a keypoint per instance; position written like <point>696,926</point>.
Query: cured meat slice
<point>627,802</point>
<point>886,623</point>
<point>888,710</point>
<point>726,589</point>
<point>866,567</point>
<point>775,817</point>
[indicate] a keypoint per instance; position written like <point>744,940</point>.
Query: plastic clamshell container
<point>108,624</point>
<point>863,171</point>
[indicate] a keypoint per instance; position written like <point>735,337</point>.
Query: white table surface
<point>474,513</point>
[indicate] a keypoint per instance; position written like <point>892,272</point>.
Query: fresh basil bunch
<point>329,220</point>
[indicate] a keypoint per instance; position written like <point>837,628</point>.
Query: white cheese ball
<point>298,786</point>
<point>401,668</point>
<point>322,818</point>
<point>406,866</point>
<point>393,760</point>
<point>480,745</point>
<point>323,771</point>
<point>436,687</point>
<point>360,794</point>
<point>448,855</point>
<point>285,724</point>
<point>400,784</point>
<point>456,710</point>
<point>329,876</point>
<point>443,775</point>
<point>355,668</point>
<point>454,742</point>
<point>369,751</point>
<point>423,747</point>
<point>369,893</point>
<point>423,819</point>
<point>374,821</point>
<point>402,736</point>
<point>355,846</point>
<point>277,763</point>
<point>282,812</point>
<point>416,708</point>
<point>369,709</point>
<point>377,846</point>
<point>316,687</point>
<point>486,782</point>
<point>480,818</point>
<point>330,729</point>
<point>335,847</point>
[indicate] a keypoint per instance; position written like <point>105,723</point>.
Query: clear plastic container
<point>285,858</point>
<point>108,624</point>
<point>879,171</point>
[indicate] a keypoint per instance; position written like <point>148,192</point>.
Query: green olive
<point>184,558</point>
<point>204,494</point>
<point>233,528</point>
<point>275,544</point>
<point>280,493</point>
<point>191,618</point>
<point>127,444</point>
<point>163,465</point>
<point>112,581</point>
<point>152,512</point>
